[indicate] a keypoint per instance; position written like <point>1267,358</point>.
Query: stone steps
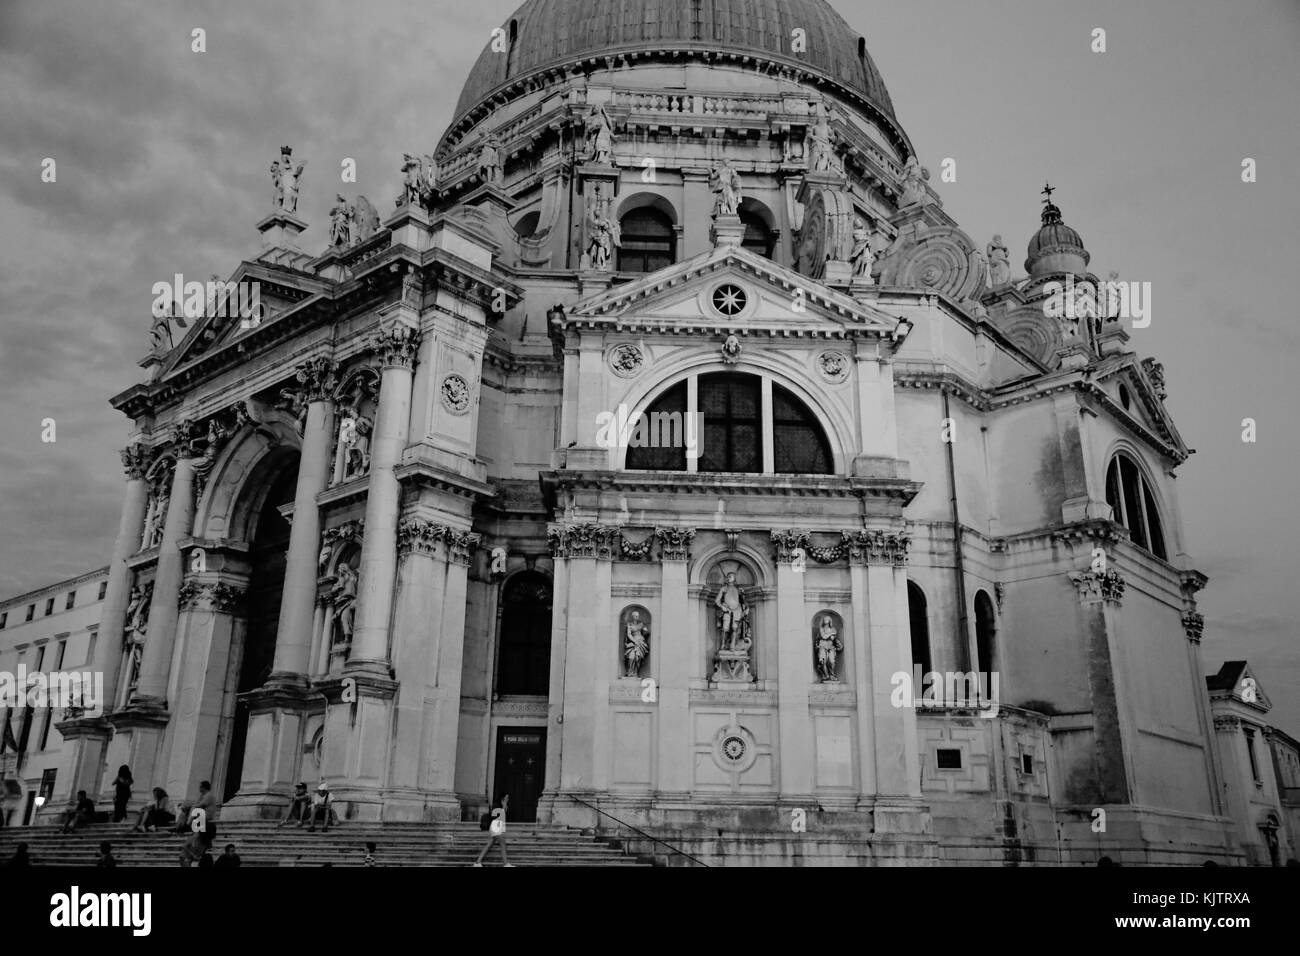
<point>264,844</point>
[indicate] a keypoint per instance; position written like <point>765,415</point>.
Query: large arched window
<point>758,238</point>
<point>748,425</point>
<point>524,665</point>
<point>919,622</point>
<point>985,628</point>
<point>647,241</point>
<point>1133,505</point>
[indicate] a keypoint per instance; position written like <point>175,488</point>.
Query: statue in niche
<point>136,625</point>
<point>636,643</point>
<point>161,499</point>
<point>343,596</point>
<point>287,179</point>
<point>733,615</point>
<point>862,257</point>
<point>600,137</point>
<point>829,647</point>
<point>999,263</point>
<point>605,238</point>
<point>724,181</point>
<point>356,457</point>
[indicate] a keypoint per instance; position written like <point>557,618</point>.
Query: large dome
<point>545,35</point>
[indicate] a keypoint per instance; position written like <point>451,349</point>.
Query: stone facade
<point>390,543</point>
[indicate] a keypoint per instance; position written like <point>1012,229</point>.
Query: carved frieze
<point>318,378</point>
<point>583,540</point>
<point>875,547</point>
<point>790,545</point>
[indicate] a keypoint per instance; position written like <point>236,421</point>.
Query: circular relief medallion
<point>833,365</point>
<point>729,299</point>
<point>733,748</point>
<point>626,360</point>
<point>455,394</point>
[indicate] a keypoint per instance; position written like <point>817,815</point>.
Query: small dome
<point>1055,247</point>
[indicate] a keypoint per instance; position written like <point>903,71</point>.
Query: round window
<point>729,299</point>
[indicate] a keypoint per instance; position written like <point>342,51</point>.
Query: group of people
<point>308,809</point>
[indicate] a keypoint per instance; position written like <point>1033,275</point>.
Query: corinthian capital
<point>135,461</point>
<point>875,547</point>
<point>397,345</point>
<point>421,537</point>
<point>787,542</point>
<point>319,379</point>
<point>675,543</point>
<point>1193,624</point>
<point>1094,588</point>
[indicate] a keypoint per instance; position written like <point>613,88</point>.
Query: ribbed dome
<point>1055,247</point>
<point>547,34</point>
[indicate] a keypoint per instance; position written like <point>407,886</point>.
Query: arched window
<point>526,225</point>
<point>647,241</point>
<point>985,628</point>
<point>758,238</point>
<point>919,622</point>
<point>734,420</point>
<point>1133,505</point>
<point>524,664</point>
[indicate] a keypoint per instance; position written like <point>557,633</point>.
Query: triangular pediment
<point>1146,399</point>
<point>221,321</point>
<point>699,294</point>
<point>1236,680</point>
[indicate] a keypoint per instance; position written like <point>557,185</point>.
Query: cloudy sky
<point>162,160</point>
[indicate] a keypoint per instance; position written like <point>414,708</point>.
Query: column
<point>397,345</point>
<point>674,651</point>
<point>448,661</point>
<point>151,691</point>
<point>298,604</point>
<point>85,738</point>
<point>794,671</point>
<point>422,578</point>
<point>1099,595</point>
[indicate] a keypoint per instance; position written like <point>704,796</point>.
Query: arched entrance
<point>523,676</point>
<point>266,557</point>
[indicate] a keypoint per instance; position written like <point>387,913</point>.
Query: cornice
<point>769,486</point>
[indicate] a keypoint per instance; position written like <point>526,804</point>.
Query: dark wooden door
<point>521,770</point>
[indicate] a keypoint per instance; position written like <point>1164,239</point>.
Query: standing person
<point>105,857</point>
<point>228,859</point>
<point>121,792</point>
<point>497,832</point>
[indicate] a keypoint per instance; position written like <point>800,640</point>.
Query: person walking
<point>121,792</point>
<point>497,832</point>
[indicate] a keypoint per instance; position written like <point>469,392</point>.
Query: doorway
<point>520,770</point>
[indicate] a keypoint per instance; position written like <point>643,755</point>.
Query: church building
<point>665,457</point>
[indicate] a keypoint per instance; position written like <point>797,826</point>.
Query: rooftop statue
<point>725,183</point>
<point>286,179</point>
